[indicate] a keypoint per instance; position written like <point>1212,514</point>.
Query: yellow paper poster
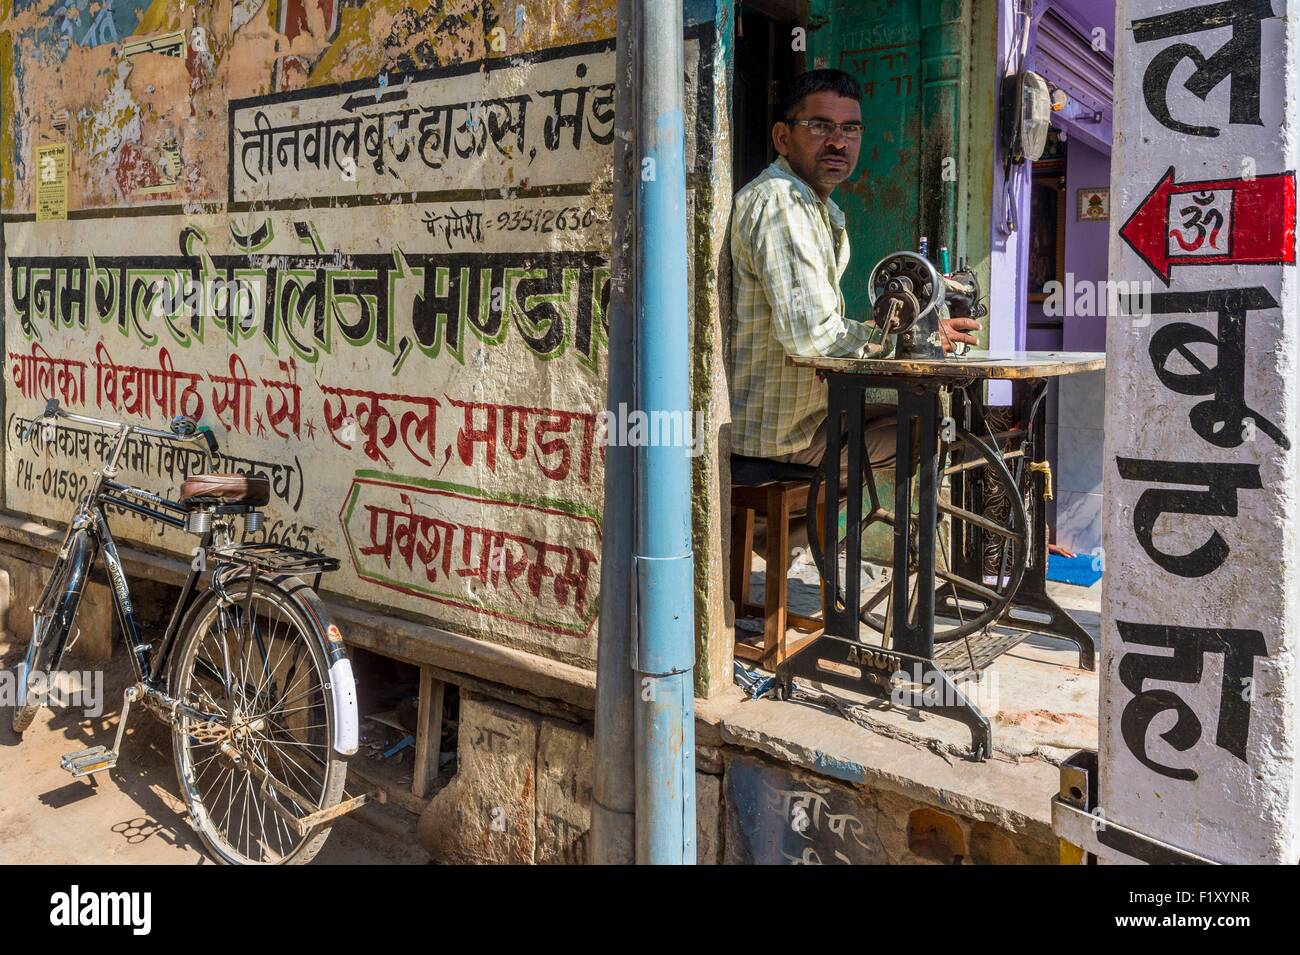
<point>52,182</point>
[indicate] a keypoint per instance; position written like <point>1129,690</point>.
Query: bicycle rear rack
<point>276,559</point>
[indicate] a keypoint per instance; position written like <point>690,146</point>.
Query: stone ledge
<point>1013,795</point>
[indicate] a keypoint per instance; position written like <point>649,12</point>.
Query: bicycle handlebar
<point>52,410</point>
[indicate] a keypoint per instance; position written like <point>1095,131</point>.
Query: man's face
<point>822,162</point>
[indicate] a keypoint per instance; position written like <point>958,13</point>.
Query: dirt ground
<point>131,814</point>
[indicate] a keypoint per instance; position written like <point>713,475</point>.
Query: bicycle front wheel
<point>261,759</point>
<point>51,623</point>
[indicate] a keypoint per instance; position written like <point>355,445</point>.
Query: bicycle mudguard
<point>343,687</point>
<point>344,690</point>
<point>81,553</point>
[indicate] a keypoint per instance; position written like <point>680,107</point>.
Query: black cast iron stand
<point>1045,615</point>
<point>838,658</point>
<point>907,673</point>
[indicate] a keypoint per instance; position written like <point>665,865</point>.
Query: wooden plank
<point>364,774</point>
<point>976,364</point>
<point>428,733</point>
<point>776,563</point>
<point>742,555</point>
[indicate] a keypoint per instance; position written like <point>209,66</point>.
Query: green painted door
<point>907,56</point>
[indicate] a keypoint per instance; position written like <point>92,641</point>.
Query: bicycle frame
<point>91,516</point>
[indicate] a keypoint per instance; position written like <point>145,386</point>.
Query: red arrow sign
<point>1215,222</point>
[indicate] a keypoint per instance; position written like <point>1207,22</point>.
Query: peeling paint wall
<point>367,242</point>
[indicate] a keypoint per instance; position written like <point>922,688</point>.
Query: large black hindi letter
<point>1190,644</point>
<point>1221,420</point>
<point>1220,500</point>
<point>1238,59</point>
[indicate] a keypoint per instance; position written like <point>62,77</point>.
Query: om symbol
<point>1199,221</point>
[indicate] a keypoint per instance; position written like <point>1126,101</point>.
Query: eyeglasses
<point>820,129</point>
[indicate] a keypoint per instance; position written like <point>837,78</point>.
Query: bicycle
<point>251,673</point>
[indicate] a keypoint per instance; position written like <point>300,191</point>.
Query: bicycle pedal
<point>85,762</point>
<point>96,759</point>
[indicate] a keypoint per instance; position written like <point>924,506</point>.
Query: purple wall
<point>1086,243</point>
<point>1060,47</point>
<point>1086,246</point>
<point>1008,259</point>
<point>1091,13</point>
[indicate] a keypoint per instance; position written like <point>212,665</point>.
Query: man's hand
<point>954,330</point>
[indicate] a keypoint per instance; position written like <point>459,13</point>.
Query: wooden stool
<point>778,491</point>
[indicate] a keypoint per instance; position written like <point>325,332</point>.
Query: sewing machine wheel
<point>998,533</point>
<point>903,288</point>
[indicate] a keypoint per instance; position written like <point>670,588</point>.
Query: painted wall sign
<point>1215,222</point>
<point>543,120</point>
<point>414,356</point>
<point>490,555</point>
<point>315,365</point>
<point>1201,609</point>
<point>777,817</point>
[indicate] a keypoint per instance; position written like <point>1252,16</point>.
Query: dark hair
<point>817,81</point>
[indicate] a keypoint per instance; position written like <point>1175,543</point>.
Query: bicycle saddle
<point>201,489</point>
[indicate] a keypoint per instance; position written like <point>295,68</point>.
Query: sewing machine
<point>909,296</point>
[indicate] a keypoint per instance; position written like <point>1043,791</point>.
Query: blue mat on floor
<point>1072,570</point>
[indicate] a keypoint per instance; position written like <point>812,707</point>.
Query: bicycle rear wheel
<point>51,623</point>
<point>263,757</point>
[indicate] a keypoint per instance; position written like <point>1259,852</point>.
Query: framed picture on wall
<point>1094,205</point>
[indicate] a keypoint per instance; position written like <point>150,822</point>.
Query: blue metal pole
<point>664,651</point>
<point>613,820</point>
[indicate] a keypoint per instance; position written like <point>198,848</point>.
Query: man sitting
<point>789,250</point>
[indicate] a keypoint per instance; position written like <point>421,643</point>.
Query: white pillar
<point>1200,625</point>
